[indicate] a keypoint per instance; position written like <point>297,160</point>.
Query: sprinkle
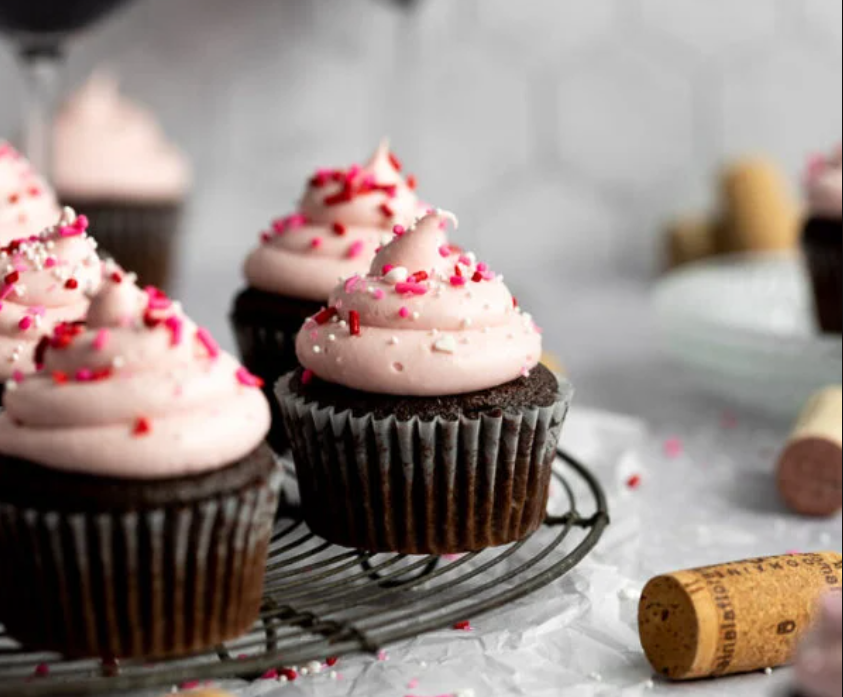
<point>404,313</point>
<point>354,322</point>
<point>399,230</point>
<point>325,316</point>
<point>203,336</point>
<point>445,344</point>
<point>463,627</point>
<point>332,662</point>
<point>395,162</point>
<point>396,275</point>
<point>673,448</point>
<point>416,315</point>
<point>393,341</point>
<point>317,242</point>
<point>12,278</point>
<point>42,670</point>
<point>176,327</point>
<point>339,229</point>
<point>356,249</point>
<point>143,427</point>
<point>634,482</point>
<point>419,276</point>
<point>386,269</point>
<point>410,288</point>
<point>25,323</point>
<point>378,294</point>
<point>18,376</point>
<point>445,251</point>
<point>244,377</point>
<point>71,284</point>
<point>307,377</point>
<point>477,277</point>
<point>351,284</point>
<point>84,375</point>
<point>60,378</point>
<point>383,656</point>
<point>317,349</point>
<point>386,210</point>
<point>289,674</point>
<point>271,674</point>
<point>457,281</point>
<point>515,302</point>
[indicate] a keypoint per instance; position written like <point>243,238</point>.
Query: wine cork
<point>734,618</point>
<point>690,240</point>
<point>761,213</point>
<point>810,470</point>
<point>201,693</point>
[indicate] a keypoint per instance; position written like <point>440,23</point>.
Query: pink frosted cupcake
<point>422,421</point>
<point>819,664</point>
<point>136,495</point>
<point>113,162</point>
<point>27,204</point>
<point>343,218</point>
<point>45,279</point>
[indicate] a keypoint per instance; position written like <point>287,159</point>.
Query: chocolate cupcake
<point>421,421</point>
<point>136,497</point>
<point>823,239</point>
<point>819,668</point>
<point>45,279</point>
<point>113,162</point>
<point>344,217</point>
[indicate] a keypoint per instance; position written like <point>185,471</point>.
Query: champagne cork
<point>690,240</point>
<point>810,470</point>
<point>761,213</point>
<point>734,618</point>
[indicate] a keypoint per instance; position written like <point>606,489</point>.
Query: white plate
<point>745,326</point>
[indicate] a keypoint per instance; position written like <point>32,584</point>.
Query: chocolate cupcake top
<point>819,666</point>
<point>824,185</point>
<point>138,392</point>
<point>27,204</point>
<point>428,320</point>
<point>45,279</point>
<point>342,219</point>
<point>108,149</point>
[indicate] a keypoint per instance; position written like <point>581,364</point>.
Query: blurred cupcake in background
<point>345,216</point>
<point>113,161</point>
<point>823,237</point>
<point>27,204</point>
<point>819,663</point>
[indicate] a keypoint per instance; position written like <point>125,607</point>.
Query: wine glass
<point>39,29</point>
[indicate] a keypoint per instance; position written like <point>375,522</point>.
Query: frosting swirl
<point>342,220</point>
<point>138,392</point>
<point>27,204</point>
<point>428,320</point>
<point>107,148</point>
<point>824,185</point>
<point>44,280</point>
<point>819,665</point>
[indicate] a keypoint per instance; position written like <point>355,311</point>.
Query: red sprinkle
<point>463,626</point>
<point>60,378</point>
<point>515,302</point>
<point>412,182</point>
<point>331,662</point>
<point>325,316</point>
<point>395,162</point>
<point>386,209</point>
<point>307,377</point>
<point>419,276</point>
<point>42,670</point>
<point>354,322</point>
<point>12,278</point>
<point>116,278</point>
<point>71,284</point>
<point>316,242</point>
<point>25,323</point>
<point>340,229</point>
<point>290,674</point>
<point>477,277</point>
<point>634,482</point>
<point>271,674</point>
<point>143,427</point>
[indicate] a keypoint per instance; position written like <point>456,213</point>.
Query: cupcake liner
<point>153,583</point>
<point>824,251</point>
<point>141,238</point>
<point>423,487</point>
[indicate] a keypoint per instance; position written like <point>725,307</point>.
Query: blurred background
<point>563,132</point>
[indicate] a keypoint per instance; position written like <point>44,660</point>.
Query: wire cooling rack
<point>323,601</point>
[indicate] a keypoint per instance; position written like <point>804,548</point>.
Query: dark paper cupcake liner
<point>266,338</point>
<point>823,245</point>
<point>149,582</point>
<point>141,238</point>
<point>423,487</point>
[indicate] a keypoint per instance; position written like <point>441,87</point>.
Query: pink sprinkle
<point>399,230</point>
<point>204,337</point>
<point>176,327</point>
<point>6,291</point>
<point>50,262</point>
<point>353,172</point>
<point>794,553</point>
<point>410,288</point>
<point>18,376</point>
<point>674,448</point>
<point>157,300</point>
<point>356,249</point>
<point>245,378</point>
<point>482,268</point>
<point>413,684</point>
<point>383,656</point>
<point>84,375</point>
<point>379,294</point>
<point>101,340</point>
<point>351,284</point>
<point>307,377</point>
<point>404,313</point>
<point>25,323</point>
<point>271,674</point>
<point>317,242</point>
<point>444,251</point>
<point>465,261</point>
<point>458,281</point>
<point>387,268</point>
<point>70,231</point>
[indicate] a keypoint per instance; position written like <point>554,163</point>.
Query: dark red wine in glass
<point>39,30</point>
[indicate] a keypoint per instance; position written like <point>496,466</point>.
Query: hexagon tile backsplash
<point>563,131</point>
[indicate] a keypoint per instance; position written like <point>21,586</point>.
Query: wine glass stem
<point>40,70</point>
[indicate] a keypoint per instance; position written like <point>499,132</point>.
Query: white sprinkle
<point>333,675</point>
<point>314,667</point>
<point>118,362</point>
<point>768,671</point>
<point>467,322</point>
<point>332,337</point>
<point>11,386</point>
<point>445,344</point>
<point>304,672</point>
<point>416,315</point>
<point>317,349</point>
<point>343,324</point>
<point>650,684</point>
<point>397,275</point>
<point>393,341</point>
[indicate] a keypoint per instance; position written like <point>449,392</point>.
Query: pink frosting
<point>107,148</point>
<point>824,185</point>
<point>343,219</point>
<point>27,204</point>
<point>44,280</point>
<point>819,665</point>
<point>139,392</point>
<point>428,320</point>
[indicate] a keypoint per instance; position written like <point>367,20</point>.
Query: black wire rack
<point>323,601</point>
